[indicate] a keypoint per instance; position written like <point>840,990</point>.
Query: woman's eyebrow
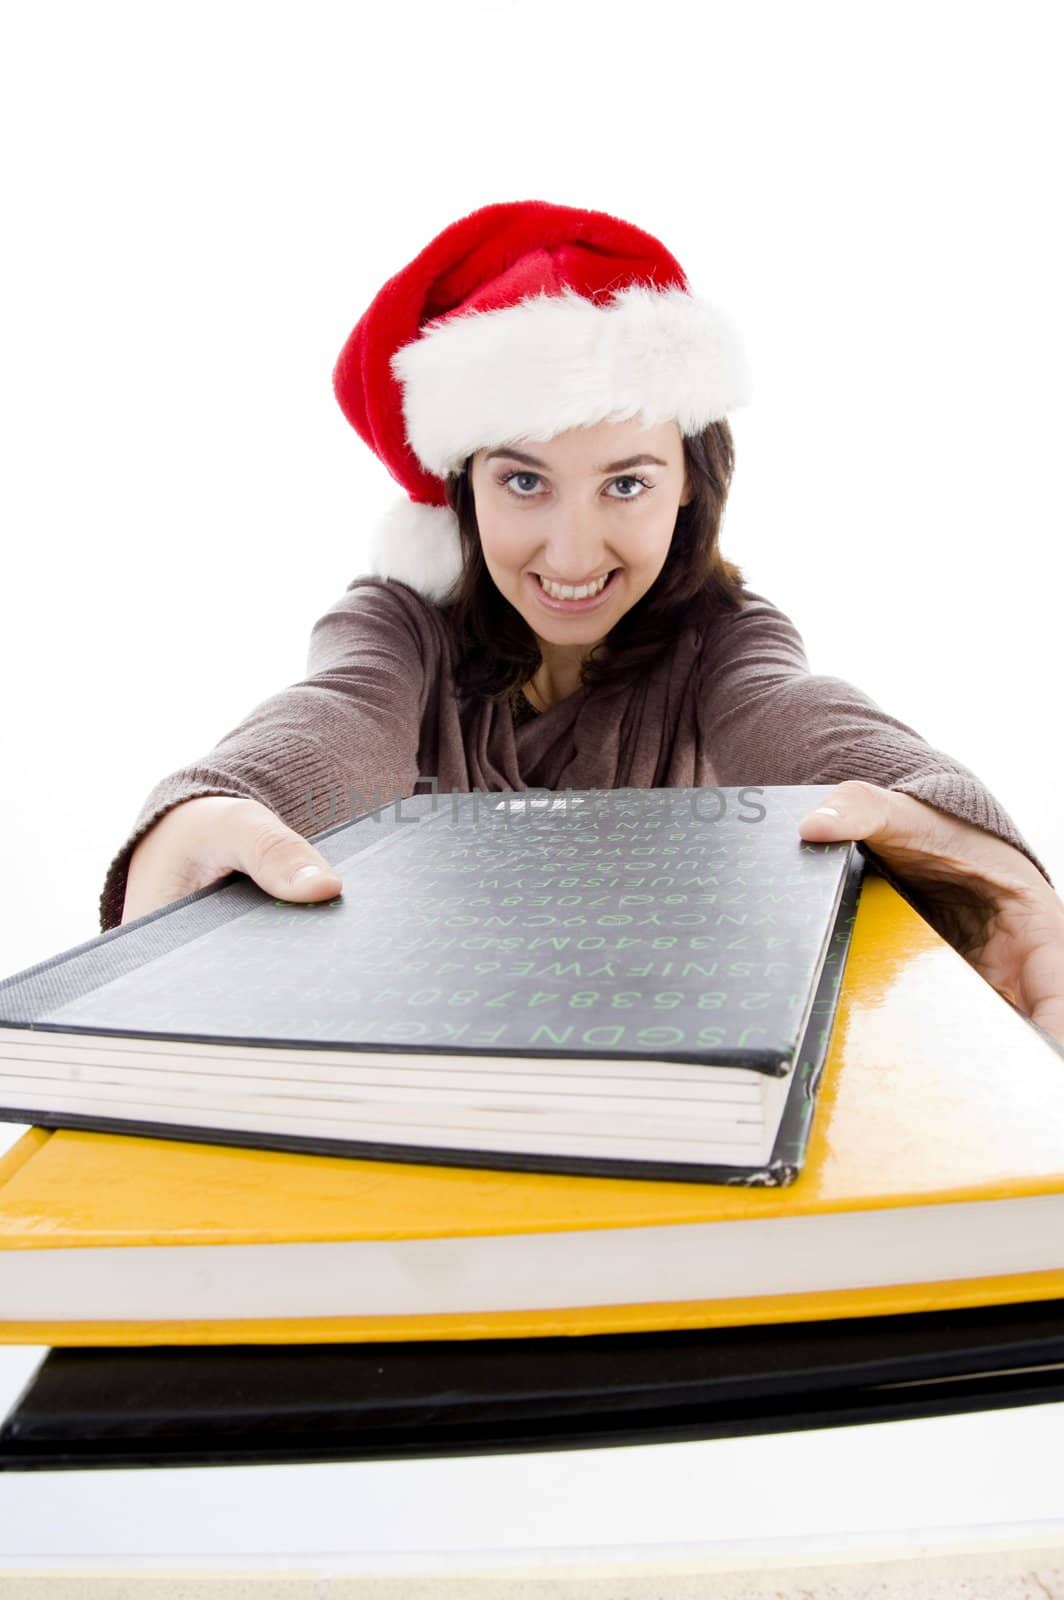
<point>611,466</point>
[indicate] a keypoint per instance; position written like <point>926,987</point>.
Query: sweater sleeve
<point>768,720</point>
<point>322,751</point>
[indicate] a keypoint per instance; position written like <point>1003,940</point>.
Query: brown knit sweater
<point>735,704</point>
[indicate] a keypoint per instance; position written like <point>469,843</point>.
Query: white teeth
<point>565,591</point>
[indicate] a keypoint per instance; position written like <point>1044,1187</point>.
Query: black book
<point>618,982</point>
<point>173,1405</point>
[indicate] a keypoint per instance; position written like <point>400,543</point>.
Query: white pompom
<point>418,544</point>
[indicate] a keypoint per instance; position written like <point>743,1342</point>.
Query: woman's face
<point>587,503</point>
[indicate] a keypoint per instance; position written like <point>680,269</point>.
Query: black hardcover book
<point>173,1406</point>
<point>622,982</point>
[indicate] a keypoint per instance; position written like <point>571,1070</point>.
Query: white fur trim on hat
<point>418,544</point>
<point>553,362</point>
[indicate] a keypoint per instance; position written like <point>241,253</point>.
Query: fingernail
<point>826,811</point>
<point>306,872</point>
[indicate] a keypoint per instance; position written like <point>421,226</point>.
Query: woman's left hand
<point>980,894</point>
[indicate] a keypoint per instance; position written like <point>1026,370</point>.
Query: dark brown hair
<point>497,650</point>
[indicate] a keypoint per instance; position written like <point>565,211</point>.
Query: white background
<point>199,201</point>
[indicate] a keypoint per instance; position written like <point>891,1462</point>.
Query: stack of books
<point>603,1064</point>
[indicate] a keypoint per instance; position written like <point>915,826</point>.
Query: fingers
<point>859,810</point>
<point>203,839</point>
<point>281,861</point>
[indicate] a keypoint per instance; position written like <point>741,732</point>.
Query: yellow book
<point>934,1178</point>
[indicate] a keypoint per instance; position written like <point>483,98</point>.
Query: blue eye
<point>513,476</point>
<point>642,481</point>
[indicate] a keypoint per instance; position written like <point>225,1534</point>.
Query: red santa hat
<point>520,321</point>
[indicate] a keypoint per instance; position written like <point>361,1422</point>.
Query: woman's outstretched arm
<point>339,742</point>
<point>767,719</point>
<point>936,828</point>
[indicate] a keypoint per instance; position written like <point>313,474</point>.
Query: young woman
<point>548,606</point>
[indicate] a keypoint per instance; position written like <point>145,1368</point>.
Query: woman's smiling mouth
<point>574,597</point>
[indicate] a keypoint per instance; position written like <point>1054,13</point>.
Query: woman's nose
<point>574,556</point>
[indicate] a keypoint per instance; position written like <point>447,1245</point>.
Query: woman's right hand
<point>203,839</point>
